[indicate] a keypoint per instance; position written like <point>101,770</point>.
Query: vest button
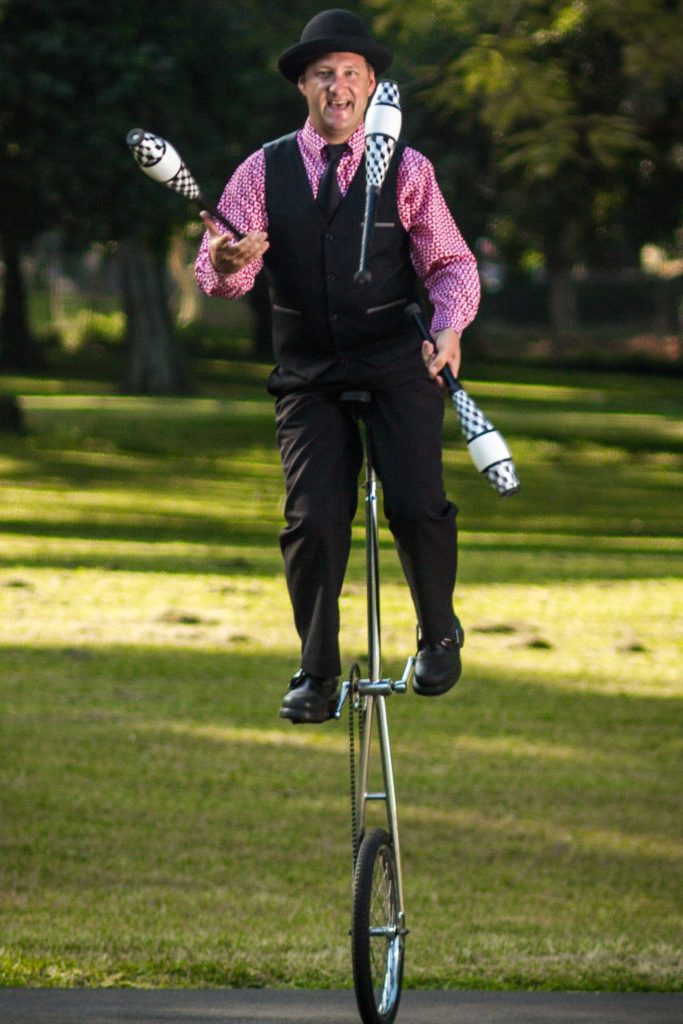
<point>329,236</point>
<point>333,317</point>
<point>331,277</point>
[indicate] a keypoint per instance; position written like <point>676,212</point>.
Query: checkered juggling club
<point>487,446</point>
<point>382,129</point>
<point>158,158</point>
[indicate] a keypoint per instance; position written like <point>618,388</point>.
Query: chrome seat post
<point>375,689</point>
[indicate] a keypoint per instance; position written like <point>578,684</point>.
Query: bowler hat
<point>334,31</point>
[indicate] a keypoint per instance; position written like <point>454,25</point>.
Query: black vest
<point>320,316</point>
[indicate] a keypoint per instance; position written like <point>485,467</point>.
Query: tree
<point>580,106</point>
<point>76,77</point>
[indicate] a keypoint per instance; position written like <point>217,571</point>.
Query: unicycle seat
<point>357,401</point>
<point>356,397</point>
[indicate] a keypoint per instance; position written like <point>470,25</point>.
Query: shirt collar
<point>313,141</point>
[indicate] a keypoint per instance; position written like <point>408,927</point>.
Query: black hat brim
<point>293,61</point>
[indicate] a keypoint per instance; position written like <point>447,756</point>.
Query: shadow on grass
<point>550,729</point>
<point>256,553</point>
<point>195,485</point>
<point>158,814</point>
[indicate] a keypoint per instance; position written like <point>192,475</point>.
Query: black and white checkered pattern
<point>184,183</point>
<point>387,92</point>
<point>472,420</point>
<point>503,477</point>
<point>149,151</point>
<point>379,150</point>
<point>383,122</point>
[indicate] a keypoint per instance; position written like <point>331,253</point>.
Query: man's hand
<point>229,255</point>
<point>444,349</point>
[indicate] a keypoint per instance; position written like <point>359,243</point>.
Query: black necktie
<point>329,194</point>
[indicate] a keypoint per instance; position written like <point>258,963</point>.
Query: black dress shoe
<point>309,698</point>
<point>438,666</point>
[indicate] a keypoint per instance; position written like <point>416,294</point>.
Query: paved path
<point>253,1006</point>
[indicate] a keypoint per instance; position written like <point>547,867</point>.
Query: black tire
<point>377,958</point>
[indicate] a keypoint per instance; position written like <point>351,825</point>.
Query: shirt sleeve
<point>244,204</point>
<point>439,253</point>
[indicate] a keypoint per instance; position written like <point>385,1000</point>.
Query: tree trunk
<point>11,415</point>
<point>562,304</point>
<point>157,365</point>
<point>18,351</point>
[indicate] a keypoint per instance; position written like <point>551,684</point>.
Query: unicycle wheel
<point>377,931</point>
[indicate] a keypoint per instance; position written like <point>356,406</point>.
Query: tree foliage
<point>579,105</point>
<point>556,125</point>
<point>75,76</point>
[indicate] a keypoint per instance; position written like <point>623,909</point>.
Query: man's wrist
<point>216,267</point>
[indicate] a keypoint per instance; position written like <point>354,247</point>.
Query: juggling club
<point>161,161</point>
<point>487,446</point>
<point>382,129</point>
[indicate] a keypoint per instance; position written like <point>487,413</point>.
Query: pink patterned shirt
<point>439,253</point>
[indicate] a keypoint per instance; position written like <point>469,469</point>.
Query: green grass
<point>160,826</point>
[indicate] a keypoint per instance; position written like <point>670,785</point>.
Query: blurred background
<point>556,129</point>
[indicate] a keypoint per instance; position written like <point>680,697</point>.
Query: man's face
<point>337,87</point>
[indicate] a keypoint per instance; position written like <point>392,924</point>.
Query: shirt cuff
<point>228,286</point>
<point>444,318</point>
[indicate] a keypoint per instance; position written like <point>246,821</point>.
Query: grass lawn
<point>161,826</point>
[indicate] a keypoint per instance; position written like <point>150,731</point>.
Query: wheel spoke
<point>378,934</point>
<point>383,925</point>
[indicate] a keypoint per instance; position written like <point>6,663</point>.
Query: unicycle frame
<point>369,695</point>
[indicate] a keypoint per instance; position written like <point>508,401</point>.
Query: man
<point>331,334</point>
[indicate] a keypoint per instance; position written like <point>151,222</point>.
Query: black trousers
<point>321,450</point>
